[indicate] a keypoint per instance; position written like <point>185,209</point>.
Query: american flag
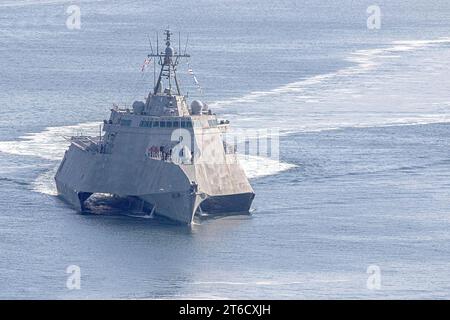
<point>195,80</point>
<point>145,64</point>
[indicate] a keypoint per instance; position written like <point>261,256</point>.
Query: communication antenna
<point>150,42</point>
<point>157,43</point>
<point>151,48</point>
<point>168,60</point>
<point>187,40</point>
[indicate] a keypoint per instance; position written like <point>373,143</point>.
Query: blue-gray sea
<point>363,178</point>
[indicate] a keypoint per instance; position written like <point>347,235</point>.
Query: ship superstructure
<point>168,155</point>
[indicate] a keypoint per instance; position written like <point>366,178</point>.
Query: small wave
<point>24,3</point>
<point>269,282</point>
<point>15,181</point>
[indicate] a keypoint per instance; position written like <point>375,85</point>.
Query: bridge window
<point>169,124</point>
<point>162,124</point>
<point>145,123</point>
<point>155,124</point>
<point>176,124</point>
<point>125,122</point>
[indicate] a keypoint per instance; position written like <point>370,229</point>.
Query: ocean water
<point>364,168</point>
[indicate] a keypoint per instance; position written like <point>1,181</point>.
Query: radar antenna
<point>168,60</point>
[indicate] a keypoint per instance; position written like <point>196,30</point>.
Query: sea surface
<point>363,177</point>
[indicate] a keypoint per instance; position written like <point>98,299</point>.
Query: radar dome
<point>196,106</point>
<point>169,51</point>
<point>138,107</point>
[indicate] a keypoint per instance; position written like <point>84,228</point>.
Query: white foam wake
<point>402,83</point>
<point>351,97</point>
<point>364,61</point>
<point>256,167</point>
<point>50,144</point>
<point>45,183</point>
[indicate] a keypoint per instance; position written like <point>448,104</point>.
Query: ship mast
<point>168,60</point>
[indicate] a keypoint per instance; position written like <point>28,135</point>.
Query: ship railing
<point>85,143</point>
<point>160,156</point>
<point>229,148</point>
<point>167,157</point>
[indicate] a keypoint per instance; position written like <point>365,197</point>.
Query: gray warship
<point>169,157</point>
